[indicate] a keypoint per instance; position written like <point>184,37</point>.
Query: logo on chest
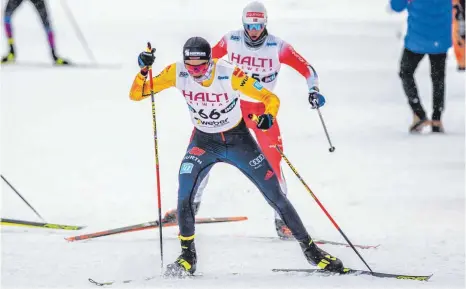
<point>206,98</point>
<point>252,63</point>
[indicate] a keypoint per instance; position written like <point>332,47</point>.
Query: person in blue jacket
<point>429,32</point>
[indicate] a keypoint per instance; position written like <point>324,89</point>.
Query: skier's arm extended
<point>141,88</point>
<point>290,57</point>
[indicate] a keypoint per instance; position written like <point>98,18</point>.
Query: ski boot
<point>10,57</point>
<point>283,231</point>
<point>418,124</point>
<point>185,264</point>
<point>437,126</point>
<point>318,257</point>
<point>60,61</point>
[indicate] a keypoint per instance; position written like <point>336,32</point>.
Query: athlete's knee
<point>281,201</point>
<point>437,74</point>
<point>275,196</point>
<point>184,205</point>
<point>185,190</point>
<point>406,72</point>
<point>7,18</point>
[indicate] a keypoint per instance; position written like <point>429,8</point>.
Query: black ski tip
<point>94,282</point>
<point>99,283</point>
<point>73,228</point>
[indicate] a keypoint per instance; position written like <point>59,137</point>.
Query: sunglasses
<point>254,26</point>
<point>198,68</point>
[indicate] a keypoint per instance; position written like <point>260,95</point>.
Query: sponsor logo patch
<point>245,79</point>
<point>257,85</point>
<point>193,158</point>
<point>255,14</point>
<point>222,43</point>
<point>268,175</point>
<point>230,106</point>
<point>223,77</point>
<point>187,52</point>
<point>196,151</point>
<point>186,168</point>
<point>256,162</point>
<point>269,78</point>
<point>238,72</point>
<point>211,123</point>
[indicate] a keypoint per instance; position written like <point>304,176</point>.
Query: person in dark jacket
<point>429,32</point>
<point>41,8</point>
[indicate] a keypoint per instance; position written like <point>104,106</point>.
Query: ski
<point>127,229</point>
<point>151,225</point>
<point>20,223</point>
<point>36,64</point>
<point>325,242</point>
<point>108,283</point>
<point>358,272</point>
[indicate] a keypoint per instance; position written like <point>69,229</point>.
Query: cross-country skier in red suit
<point>261,55</point>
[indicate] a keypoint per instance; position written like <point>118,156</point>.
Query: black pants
<point>238,148</point>
<point>40,6</point>
<point>409,62</point>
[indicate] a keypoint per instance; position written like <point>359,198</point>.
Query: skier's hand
<point>146,59</point>
<point>264,121</point>
<point>316,99</point>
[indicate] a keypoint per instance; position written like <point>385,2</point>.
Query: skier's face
<point>254,30</point>
<point>196,67</point>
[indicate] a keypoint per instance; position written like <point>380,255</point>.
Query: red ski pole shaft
<point>157,167</point>
<point>254,118</point>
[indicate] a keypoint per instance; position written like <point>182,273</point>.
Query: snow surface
<point>82,153</point>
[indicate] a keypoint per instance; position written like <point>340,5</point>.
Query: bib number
<point>214,114</point>
<point>256,76</point>
<point>265,79</point>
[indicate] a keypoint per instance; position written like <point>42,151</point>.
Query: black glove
<point>264,121</point>
<point>146,58</point>
<point>315,98</point>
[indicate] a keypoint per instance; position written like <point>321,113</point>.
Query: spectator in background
<point>42,10</point>
<point>458,32</point>
<point>429,32</point>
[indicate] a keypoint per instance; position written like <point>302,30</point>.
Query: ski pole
<point>78,31</point>
<point>254,118</point>
<point>157,168</point>
<point>29,205</point>
<point>331,148</point>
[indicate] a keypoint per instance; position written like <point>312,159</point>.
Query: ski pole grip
<point>253,117</point>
